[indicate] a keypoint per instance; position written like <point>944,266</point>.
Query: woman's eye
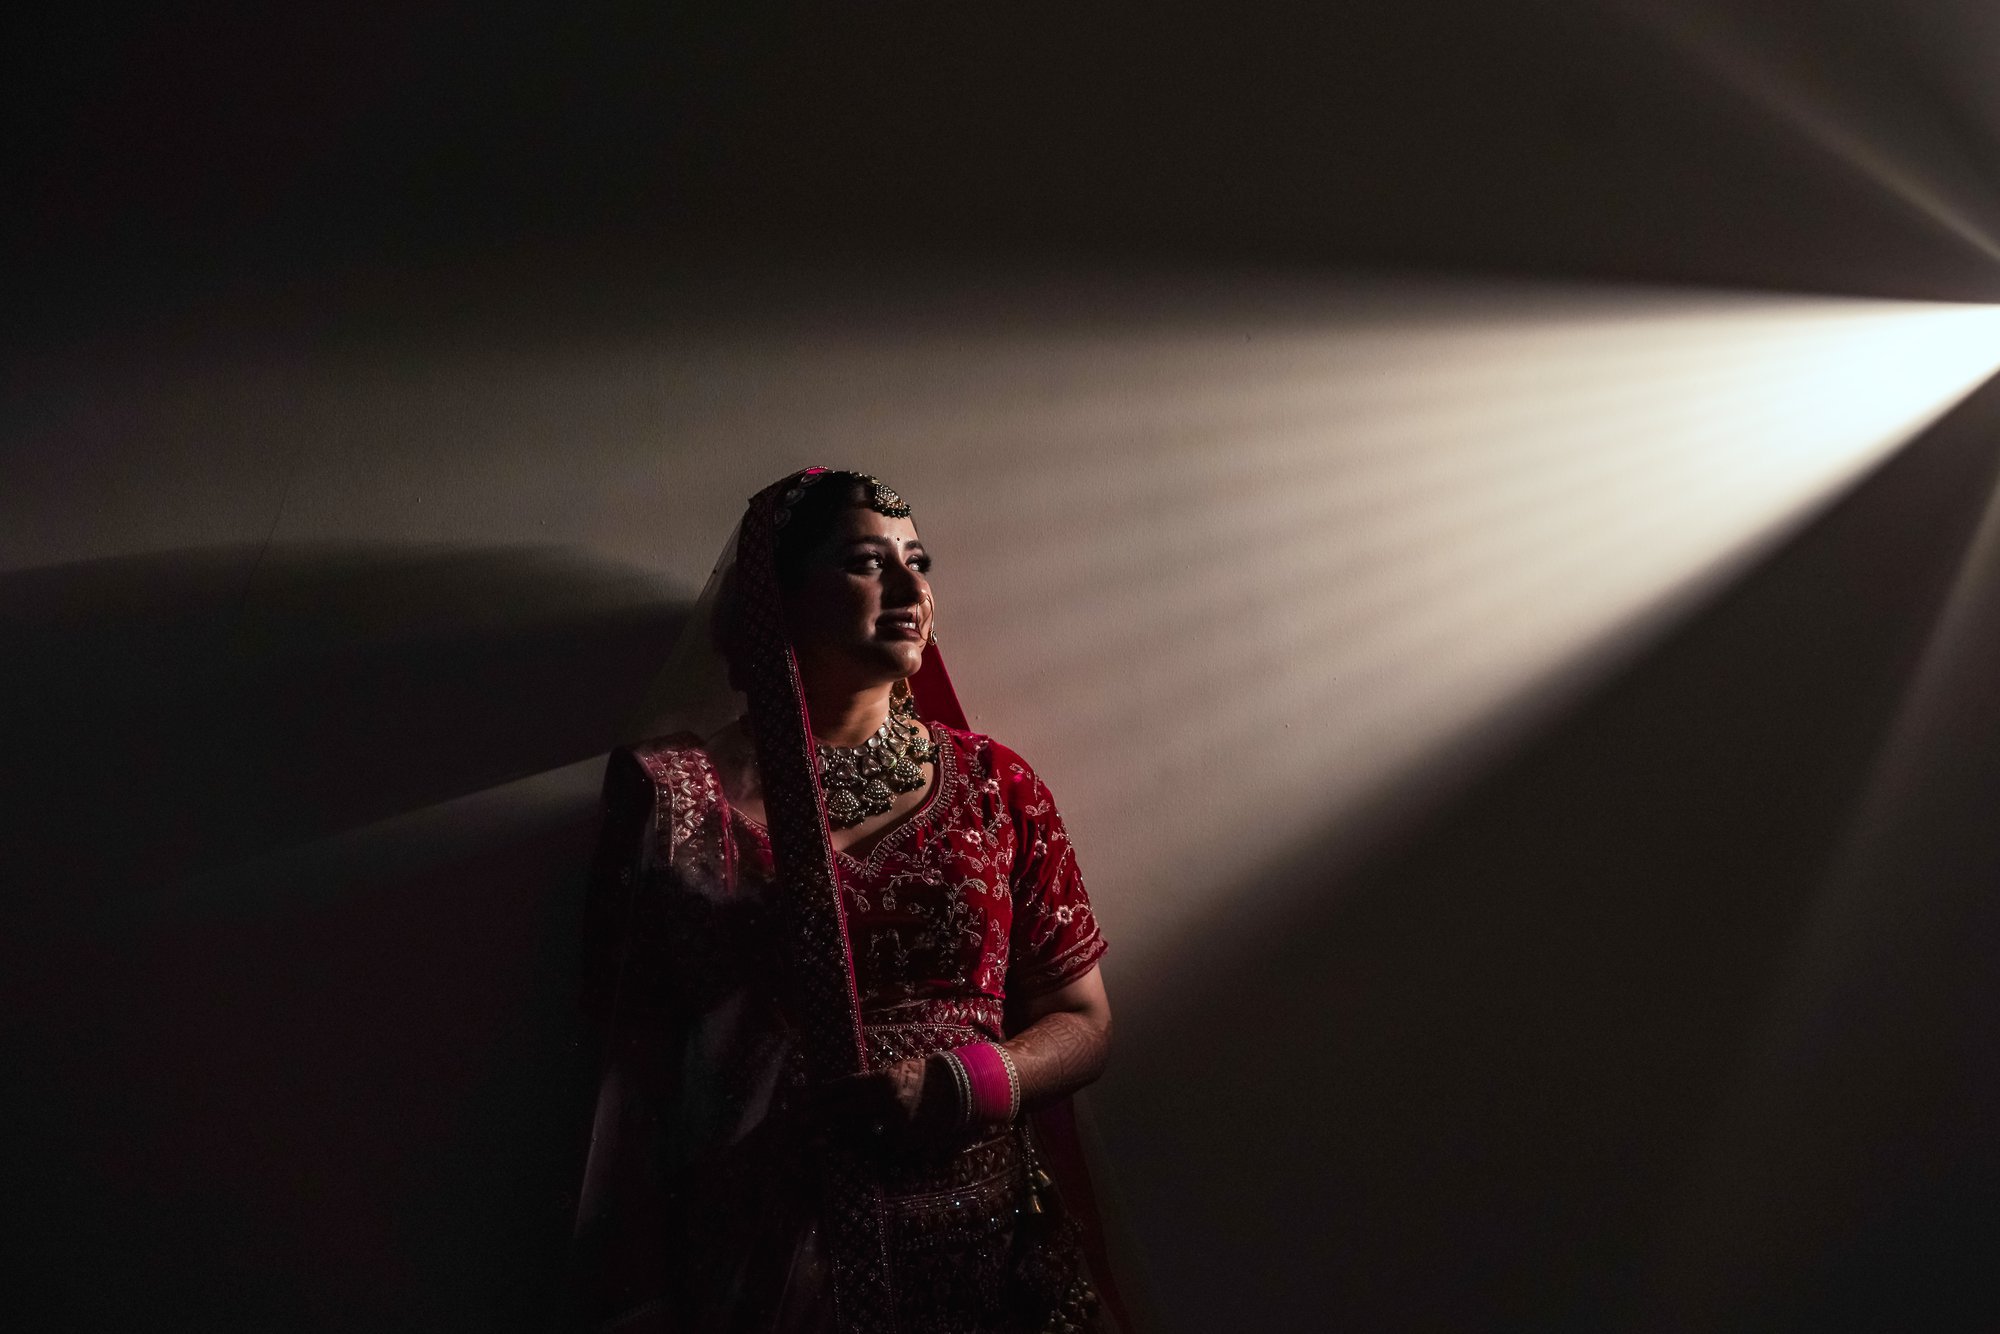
<point>869,563</point>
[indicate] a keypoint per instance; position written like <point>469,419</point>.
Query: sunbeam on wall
<point>1241,563</point>
<point>1256,555</point>
<point>1934,164</point>
<point>1251,572</point>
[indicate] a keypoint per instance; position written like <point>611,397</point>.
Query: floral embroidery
<point>973,894</point>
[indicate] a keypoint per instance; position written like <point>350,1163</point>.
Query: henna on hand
<point>1057,1055</point>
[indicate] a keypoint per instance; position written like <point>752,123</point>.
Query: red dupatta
<point>820,963</point>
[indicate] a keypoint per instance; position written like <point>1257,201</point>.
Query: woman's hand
<point>902,1105</point>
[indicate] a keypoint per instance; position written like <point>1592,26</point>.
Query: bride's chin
<point>895,662</point>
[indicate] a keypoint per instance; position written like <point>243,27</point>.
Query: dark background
<point>1705,141</point>
<point>358,1113</point>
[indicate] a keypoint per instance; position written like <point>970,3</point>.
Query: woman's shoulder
<point>986,756</point>
<point>671,760</point>
<point>974,747</point>
<point>668,745</point>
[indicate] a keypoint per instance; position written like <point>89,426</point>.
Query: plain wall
<point>1519,708</point>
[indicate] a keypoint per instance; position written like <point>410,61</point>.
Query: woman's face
<point>862,612</point>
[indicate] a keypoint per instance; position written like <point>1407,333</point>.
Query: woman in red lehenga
<point>839,951</point>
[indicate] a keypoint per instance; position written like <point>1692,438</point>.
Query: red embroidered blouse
<point>974,897</point>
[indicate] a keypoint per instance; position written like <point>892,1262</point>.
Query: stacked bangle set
<point>989,1087</point>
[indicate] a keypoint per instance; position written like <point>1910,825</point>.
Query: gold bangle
<point>961,1079</point>
<point>1013,1083</point>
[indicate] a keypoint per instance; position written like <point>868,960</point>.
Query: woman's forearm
<point>1058,1054</point>
<point>1062,1040</point>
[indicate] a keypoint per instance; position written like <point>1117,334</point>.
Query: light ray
<point>1788,96</point>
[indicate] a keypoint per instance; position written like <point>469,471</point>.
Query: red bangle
<point>989,1086</point>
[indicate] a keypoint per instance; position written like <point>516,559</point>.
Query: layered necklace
<point>862,781</point>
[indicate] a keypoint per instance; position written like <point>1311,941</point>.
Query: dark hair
<point>809,520</point>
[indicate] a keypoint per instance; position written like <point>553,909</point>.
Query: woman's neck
<point>848,717</point>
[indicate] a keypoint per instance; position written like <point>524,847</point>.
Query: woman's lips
<point>899,630</point>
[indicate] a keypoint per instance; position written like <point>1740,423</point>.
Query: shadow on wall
<point>293,936</point>
<point>1460,1087</point>
<point>179,711</point>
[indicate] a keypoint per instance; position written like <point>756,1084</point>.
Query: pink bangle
<point>989,1086</point>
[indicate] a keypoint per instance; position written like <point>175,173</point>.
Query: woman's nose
<point>907,586</point>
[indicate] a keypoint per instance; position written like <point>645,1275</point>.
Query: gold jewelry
<point>1013,1082</point>
<point>961,1080</point>
<point>862,781</point>
<point>882,497</point>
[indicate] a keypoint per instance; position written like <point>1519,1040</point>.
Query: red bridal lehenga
<point>730,965</point>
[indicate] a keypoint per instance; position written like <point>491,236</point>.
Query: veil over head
<point>699,690</point>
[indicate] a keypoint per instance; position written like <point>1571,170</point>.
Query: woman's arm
<point>1064,1037</point>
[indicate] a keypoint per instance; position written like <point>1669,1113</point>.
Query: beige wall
<point>1245,563</point>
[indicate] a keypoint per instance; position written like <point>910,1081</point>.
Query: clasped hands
<point>909,1105</point>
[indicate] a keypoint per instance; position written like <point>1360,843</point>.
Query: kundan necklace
<point>862,781</point>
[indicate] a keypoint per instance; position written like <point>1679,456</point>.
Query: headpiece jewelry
<point>882,498</point>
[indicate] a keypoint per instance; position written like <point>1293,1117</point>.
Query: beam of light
<point>1266,554</point>
<point>1279,579</point>
<point>1798,97</point>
